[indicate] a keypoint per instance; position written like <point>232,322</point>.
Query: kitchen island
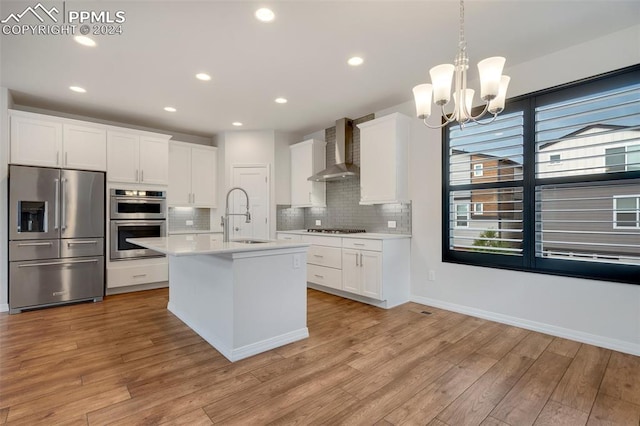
<point>243,298</point>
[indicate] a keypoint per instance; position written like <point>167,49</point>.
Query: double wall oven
<point>135,214</point>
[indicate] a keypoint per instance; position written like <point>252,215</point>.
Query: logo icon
<point>34,11</point>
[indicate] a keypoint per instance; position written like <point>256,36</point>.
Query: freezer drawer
<point>82,247</point>
<point>34,250</point>
<point>41,283</point>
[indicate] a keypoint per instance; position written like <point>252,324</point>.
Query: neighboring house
<point>590,222</point>
<point>485,210</point>
<point>599,222</point>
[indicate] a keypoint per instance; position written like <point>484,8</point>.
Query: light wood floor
<point>128,361</point>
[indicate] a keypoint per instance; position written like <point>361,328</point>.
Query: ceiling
<point>301,56</point>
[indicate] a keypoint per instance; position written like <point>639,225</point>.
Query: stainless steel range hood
<point>341,170</point>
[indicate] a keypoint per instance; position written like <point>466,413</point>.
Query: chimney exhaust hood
<point>341,170</point>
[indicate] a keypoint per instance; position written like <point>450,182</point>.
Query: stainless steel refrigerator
<point>56,236</point>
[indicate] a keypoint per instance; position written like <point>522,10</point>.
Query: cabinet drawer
<point>325,256</point>
<point>328,277</point>
<point>320,240</point>
<point>82,247</point>
<point>32,250</point>
<point>134,275</point>
<point>362,244</point>
<point>287,237</point>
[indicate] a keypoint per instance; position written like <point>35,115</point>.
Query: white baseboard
<point>579,336</point>
<point>4,307</point>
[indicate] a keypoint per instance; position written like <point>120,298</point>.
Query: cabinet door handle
<point>136,175</point>
<point>66,158</point>
<point>319,276</point>
<point>309,197</point>
<point>57,157</point>
<point>357,259</point>
<point>360,259</point>
<point>318,255</point>
<point>141,175</point>
<point>139,275</point>
<point>194,198</point>
<point>358,244</point>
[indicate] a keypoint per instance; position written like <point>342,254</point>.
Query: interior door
<point>254,180</point>
<point>82,204</point>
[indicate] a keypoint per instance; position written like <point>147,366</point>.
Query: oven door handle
<point>140,200</point>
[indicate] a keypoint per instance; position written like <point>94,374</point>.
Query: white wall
<point>5,103</point>
<point>601,313</point>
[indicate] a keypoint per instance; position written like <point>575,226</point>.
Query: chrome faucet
<point>225,219</point>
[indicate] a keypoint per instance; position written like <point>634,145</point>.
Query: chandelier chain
<point>462,44</point>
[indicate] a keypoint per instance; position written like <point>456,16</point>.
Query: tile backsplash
<point>178,217</point>
<point>343,197</point>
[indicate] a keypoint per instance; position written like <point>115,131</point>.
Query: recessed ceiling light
<point>355,61</point>
<point>170,109</point>
<point>202,76</point>
<point>237,123</point>
<point>265,15</point>
<point>281,100</point>
<point>77,89</point>
<point>85,41</point>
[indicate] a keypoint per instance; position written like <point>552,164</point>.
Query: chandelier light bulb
<point>496,106</point>
<point>422,95</point>
<point>490,70</point>
<point>441,77</point>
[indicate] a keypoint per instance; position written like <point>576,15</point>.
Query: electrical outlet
<point>391,224</point>
<point>296,261</point>
<point>318,222</point>
<point>189,223</point>
<point>432,275</point>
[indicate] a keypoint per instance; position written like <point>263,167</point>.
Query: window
<point>477,170</point>
<point>559,187</point>
<point>622,159</point>
<point>462,215</point>
<point>626,212</point>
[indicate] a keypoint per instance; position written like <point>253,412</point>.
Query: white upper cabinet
<point>85,147</point>
<point>307,159</point>
<point>137,158</point>
<point>192,175</point>
<point>41,140</point>
<point>384,144</point>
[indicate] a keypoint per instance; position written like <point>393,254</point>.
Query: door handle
<point>66,158</point>
<point>360,259</point>
<point>194,198</point>
<point>34,244</point>
<point>141,175</point>
<point>33,265</point>
<point>64,202</point>
<point>70,243</point>
<point>236,228</point>
<point>56,208</point>
<point>136,175</point>
<point>357,259</point>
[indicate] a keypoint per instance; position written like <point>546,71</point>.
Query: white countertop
<point>194,244</point>
<point>363,235</point>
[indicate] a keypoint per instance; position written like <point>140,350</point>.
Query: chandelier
<point>493,87</point>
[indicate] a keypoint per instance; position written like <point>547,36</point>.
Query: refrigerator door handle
<point>56,208</point>
<point>33,265</point>
<point>63,202</point>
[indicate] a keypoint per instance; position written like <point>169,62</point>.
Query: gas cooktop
<point>336,231</point>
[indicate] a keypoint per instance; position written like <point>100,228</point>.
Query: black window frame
<point>528,262</point>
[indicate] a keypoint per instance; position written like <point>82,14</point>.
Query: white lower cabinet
<point>362,272</point>
<point>132,273</point>
<point>370,270</point>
